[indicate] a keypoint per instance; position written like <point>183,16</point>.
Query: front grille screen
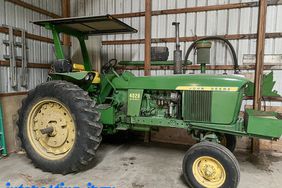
<point>197,105</point>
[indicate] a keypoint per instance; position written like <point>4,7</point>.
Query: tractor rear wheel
<point>59,128</point>
<point>210,165</point>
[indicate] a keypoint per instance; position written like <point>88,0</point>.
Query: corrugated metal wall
<point>94,46</point>
<point>236,21</point>
<point>38,52</point>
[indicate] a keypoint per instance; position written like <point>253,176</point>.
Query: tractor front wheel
<point>59,128</point>
<point>210,165</point>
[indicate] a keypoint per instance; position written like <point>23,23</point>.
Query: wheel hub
<point>209,172</point>
<point>51,129</point>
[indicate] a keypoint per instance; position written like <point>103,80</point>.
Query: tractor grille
<point>197,105</point>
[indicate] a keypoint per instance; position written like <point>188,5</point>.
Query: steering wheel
<point>109,65</point>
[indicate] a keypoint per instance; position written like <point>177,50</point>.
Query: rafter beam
<point>189,39</point>
<point>34,8</point>
<point>198,9</point>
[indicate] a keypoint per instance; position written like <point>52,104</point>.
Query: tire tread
<point>88,115</point>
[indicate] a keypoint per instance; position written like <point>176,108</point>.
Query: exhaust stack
<point>177,55</point>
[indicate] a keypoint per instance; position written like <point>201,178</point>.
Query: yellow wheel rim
<point>209,172</point>
<point>51,129</point>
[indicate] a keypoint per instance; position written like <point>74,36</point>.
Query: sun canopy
<point>93,25</point>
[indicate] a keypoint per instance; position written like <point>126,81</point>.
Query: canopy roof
<point>93,25</point>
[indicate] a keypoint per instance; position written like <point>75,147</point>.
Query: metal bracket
<point>24,75</point>
<point>13,65</point>
<point>12,44</point>
<point>212,137</point>
<point>16,44</point>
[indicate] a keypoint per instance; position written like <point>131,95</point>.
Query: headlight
<point>89,77</point>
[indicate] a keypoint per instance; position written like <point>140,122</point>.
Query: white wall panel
<point>235,21</point>
<point>38,52</point>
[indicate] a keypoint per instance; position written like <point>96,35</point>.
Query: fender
<point>82,77</point>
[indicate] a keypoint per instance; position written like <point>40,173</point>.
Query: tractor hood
<point>180,82</point>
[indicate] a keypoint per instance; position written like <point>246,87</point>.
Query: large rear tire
<point>59,128</point>
<point>210,165</point>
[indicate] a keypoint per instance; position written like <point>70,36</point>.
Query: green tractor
<point>61,122</point>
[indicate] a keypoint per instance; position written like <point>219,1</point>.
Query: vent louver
<point>197,105</point>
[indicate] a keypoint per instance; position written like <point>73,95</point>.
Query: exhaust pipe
<point>177,55</point>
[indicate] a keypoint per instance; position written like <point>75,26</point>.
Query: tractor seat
<point>62,65</point>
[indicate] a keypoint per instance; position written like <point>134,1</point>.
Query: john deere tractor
<point>61,121</point>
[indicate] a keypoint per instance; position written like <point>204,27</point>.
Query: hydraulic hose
<point>235,59</point>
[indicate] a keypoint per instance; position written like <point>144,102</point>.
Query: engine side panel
<point>134,102</point>
<point>207,106</point>
<point>225,107</point>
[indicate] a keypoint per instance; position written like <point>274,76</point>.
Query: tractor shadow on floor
<point>108,144</point>
<point>120,143</point>
<point>262,161</point>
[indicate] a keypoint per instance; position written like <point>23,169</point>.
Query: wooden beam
<point>123,42</point>
<point>276,99</point>
<point>13,94</point>
<point>260,53</point>
<point>147,63</point>
<point>28,35</point>
<point>197,9</point>
<point>129,15</point>
<point>34,8</point>
<point>189,39</point>
<point>259,63</point>
<point>148,26</point>
<point>29,65</point>
<point>66,13</point>
<point>197,67</point>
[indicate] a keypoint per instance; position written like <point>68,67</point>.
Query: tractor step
<point>261,123</point>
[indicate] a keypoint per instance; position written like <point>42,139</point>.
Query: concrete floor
<point>137,165</point>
